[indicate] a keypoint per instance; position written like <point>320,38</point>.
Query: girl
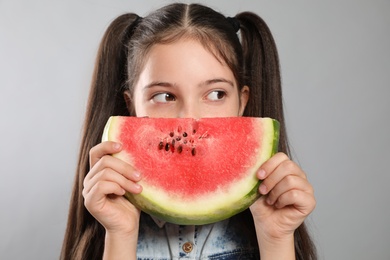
<point>184,61</point>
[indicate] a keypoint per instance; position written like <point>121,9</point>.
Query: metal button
<point>187,247</point>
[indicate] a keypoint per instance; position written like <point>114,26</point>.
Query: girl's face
<point>183,79</point>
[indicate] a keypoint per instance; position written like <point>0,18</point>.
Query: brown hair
<point>253,59</point>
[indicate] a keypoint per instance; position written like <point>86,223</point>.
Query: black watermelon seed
<point>179,149</point>
<point>193,151</point>
<point>167,147</point>
<point>171,134</point>
<point>184,134</point>
<point>160,145</point>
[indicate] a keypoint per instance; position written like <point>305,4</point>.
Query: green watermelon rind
<point>275,144</point>
<point>153,209</point>
<point>183,214</point>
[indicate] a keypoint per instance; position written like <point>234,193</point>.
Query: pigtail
<point>84,236</point>
<point>262,71</point>
<point>262,75</point>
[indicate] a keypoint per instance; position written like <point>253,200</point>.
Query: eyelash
<point>218,93</point>
<point>166,94</point>
<point>173,98</point>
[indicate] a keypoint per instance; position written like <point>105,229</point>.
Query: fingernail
<point>117,146</point>
<point>137,174</point>
<point>261,174</point>
<point>138,187</point>
<point>263,189</point>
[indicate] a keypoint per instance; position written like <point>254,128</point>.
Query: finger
<point>302,201</point>
<point>122,167</point>
<point>285,168</point>
<point>102,149</point>
<point>271,164</point>
<point>290,182</point>
<point>96,197</point>
<point>108,174</point>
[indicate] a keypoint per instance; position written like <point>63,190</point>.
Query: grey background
<point>335,62</point>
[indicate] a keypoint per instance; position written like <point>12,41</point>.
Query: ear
<point>129,101</point>
<point>244,97</point>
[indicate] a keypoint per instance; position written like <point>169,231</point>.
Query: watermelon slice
<point>195,171</point>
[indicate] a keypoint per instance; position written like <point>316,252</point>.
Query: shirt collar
<point>159,223</point>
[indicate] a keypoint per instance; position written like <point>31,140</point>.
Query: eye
<point>216,95</point>
<point>163,98</point>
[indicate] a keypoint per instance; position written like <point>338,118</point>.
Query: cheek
<point>228,109</point>
<point>235,106</point>
<point>138,104</point>
<point>147,109</point>
<point>140,110</point>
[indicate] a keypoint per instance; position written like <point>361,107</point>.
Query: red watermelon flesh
<point>195,171</point>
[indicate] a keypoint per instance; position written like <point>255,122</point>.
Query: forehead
<point>141,51</point>
<point>183,60</point>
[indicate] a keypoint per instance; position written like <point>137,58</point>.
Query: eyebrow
<point>205,83</point>
<point>158,83</point>
<point>217,80</point>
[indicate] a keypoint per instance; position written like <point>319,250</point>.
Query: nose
<point>190,109</point>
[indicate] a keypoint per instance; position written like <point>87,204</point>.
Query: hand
<point>288,198</point>
<point>104,186</point>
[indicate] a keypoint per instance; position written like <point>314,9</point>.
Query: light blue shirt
<point>233,238</point>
